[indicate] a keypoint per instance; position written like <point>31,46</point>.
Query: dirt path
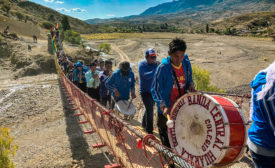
<point>122,54</point>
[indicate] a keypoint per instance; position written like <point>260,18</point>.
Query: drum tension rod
<point>227,147</point>
<point>247,123</point>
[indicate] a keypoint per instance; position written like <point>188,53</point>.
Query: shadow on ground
<point>79,146</point>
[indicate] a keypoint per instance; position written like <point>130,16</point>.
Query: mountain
<point>188,13</point>
<point>177,6</point>
<point>215,5</point>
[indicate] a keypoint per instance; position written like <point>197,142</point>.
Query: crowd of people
<point>163,83</point>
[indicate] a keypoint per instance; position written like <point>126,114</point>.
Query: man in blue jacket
<point>261,134</point>
<point>122,83</point>
<point>172,79</point>
<point>147,69</point>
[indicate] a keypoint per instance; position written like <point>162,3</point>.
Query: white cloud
<point>110,15</point>
<point>49,1</point>
<point>79,10</point>
<point>59,2</point>
<point>63,10</point>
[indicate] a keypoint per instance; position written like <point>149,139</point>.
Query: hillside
<point>188,13</point>
<point>34,15</point>
<point>215,5</point>
<point>259,23</point>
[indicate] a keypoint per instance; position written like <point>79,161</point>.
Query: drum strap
<point>177,82</point>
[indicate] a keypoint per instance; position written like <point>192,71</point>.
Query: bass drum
<point>208,130</point>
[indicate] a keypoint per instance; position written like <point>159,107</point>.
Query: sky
<point>90,9</point>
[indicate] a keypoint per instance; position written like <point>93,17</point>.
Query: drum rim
<point>224,116</point>
<point>245,130</point>
<point>134,111</point>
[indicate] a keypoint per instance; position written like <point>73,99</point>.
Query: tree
<point>65,23</point>
<point>207,28</point>
<point>51,18</point>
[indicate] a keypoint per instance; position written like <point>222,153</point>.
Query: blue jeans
<point>261,161</point>
<point>148,117</point>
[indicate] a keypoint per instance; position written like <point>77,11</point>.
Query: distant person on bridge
<point>122,83</point>
<point>79,76</point>
<point>105,96</point>
<point>92,79</point>
<point>172,79</point>
<point>147,69</point>
<point>261,133</point>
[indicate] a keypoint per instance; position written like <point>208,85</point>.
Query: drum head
<point>199,132</point>
<point>125,107</point>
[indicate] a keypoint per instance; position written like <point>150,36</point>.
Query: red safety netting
<point>130,146</point>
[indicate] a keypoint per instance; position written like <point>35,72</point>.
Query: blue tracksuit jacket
<point>262,130</point>
<point>123,84</point>
<point>76,72</point>
<point>164,81</point>
<point>146,75</point>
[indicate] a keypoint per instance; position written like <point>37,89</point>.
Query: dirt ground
<point>41,120</point>
<point>47,133</point>
<point>232,61</point>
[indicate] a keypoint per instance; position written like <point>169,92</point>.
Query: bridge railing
<point>130,146</point>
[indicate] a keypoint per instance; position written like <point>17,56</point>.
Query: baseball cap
<point>150,52</point>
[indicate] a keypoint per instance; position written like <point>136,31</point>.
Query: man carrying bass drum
<point>172,79</point>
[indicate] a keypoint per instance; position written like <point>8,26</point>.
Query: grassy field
<point>111,36</point>
<point>151,35</point>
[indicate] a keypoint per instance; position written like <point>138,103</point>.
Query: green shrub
<point>7,149</point>
<point>227,31</point>
<point>105,47</point>
<point>20,16</point>
<point>46,25</point>
<point>212,30</point>
<point>201,78</point>
<point>72,37</point>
